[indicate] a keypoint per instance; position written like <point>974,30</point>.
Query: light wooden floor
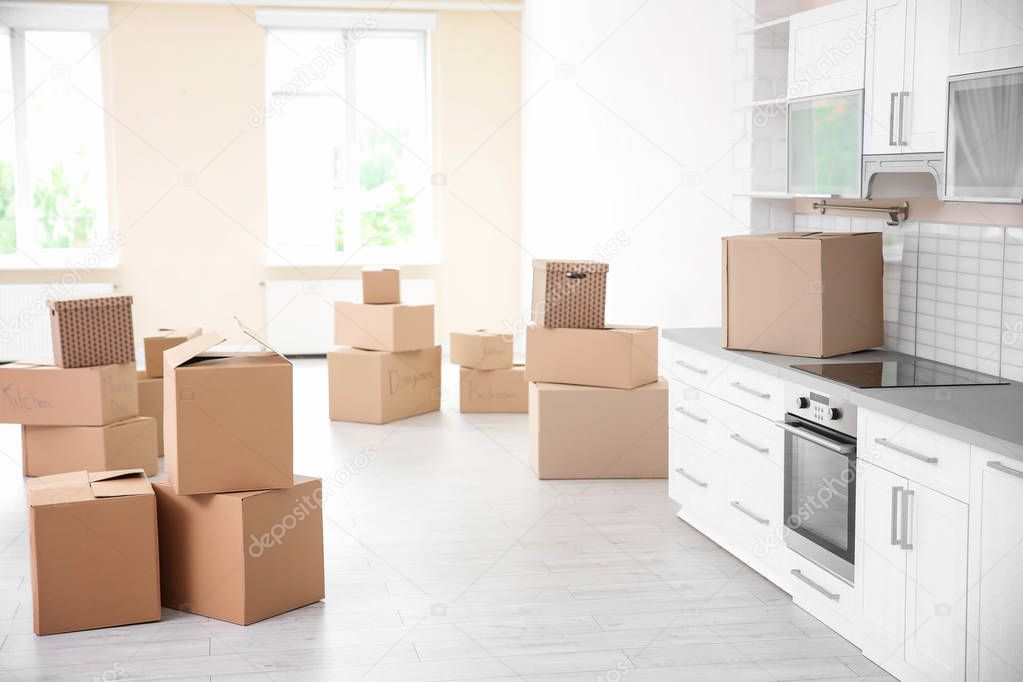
<point>448,560</point>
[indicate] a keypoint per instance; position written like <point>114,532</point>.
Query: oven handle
<point>840,448</point>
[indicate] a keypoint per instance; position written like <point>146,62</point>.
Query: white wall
<point>631,135</point>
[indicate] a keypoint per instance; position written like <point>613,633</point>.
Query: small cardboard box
<point>390,327</point>
<point>128,444</point>
<point>163,339</point>
<point>151,405</point>
<point>617,357</point>
<point>587,432</point>
<point>242,557</point>
<point>481,350</point>
<point>228,419</point>
<point>94,551</point>
<point>381,285</point>
<point>379,387</point>
<point>810,294</point>
<point>40,393</point>
<point>569,293</point>
<point>89,332</point>
<point>493,390</point>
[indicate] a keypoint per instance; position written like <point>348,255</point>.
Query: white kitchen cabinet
<point>985,35</point>
<point>826,49</point>
<point>996,564</point>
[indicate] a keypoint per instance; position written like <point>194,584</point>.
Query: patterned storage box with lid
<point>89,332</point>
<point>569,293</point>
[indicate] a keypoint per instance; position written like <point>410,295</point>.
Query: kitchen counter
<point>990,417</point>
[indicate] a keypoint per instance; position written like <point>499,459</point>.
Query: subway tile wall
<point>952,293</point>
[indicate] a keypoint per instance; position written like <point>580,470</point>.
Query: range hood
<point>903,175</point>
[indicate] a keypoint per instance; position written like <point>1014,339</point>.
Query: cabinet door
<point>936,585</point>
<point>880,560</point>
<point>986,35</point>
<point>826,49</point>
<point>825,145</point>
<point>885,74</point>
<point>923,107</point>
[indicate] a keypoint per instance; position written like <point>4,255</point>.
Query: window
<point>53,185</point>
<point>348,138</point>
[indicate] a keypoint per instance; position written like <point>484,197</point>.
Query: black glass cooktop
<point>899,373</point>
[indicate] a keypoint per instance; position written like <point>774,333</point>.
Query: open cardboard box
<point>155,344</point>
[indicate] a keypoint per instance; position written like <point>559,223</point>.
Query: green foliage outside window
<point>7,229</point>
<point>64,219</point>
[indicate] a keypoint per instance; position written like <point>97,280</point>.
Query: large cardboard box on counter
<point>616,357</point>
<point>379,387</point>
<point>40,393</point>
<point>151,404</point>
<point>589,432</point>
<point>228,422</point>
<point>387,327</point>
<point>481,350</point>
<point>493,390</point>
<point>242,557</point>
<point>128,444</point>
<point>155,344</point>
<point>94,551</point>
<point>810,294</point>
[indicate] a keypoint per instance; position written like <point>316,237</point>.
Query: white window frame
<point>416,22</point>
<point>19,17</point>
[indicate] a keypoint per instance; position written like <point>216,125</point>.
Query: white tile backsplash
<point>952,293</point>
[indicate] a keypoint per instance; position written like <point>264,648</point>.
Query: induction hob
<point>899,374</point>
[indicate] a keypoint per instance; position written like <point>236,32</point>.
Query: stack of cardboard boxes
<point>489,379</point>
<point>597,408</point>
<point>387,366</point>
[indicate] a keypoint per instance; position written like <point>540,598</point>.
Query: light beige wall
<point>189,172</point>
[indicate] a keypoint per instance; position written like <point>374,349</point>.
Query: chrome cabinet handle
<point>689,477</point>
<point>751,445</point>
<point>751,391</point>
<point>906,497</point>
<point>895,516</point>
<point>998,466</point>
<point>692,368</point>
<point>694,417</point>
<point>840,448</point>
<point>885,443</point>
<point>903,96</point>
<point>891,121</point>
<point>756,517</point>
<point>799,574</point>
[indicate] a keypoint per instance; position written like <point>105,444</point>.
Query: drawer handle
<point>694,417</point>
<point>998,466</point>
<point>751,445</point>
<point>689,477</point>
<point>885,443</point>
<point>691,368</point>
<point>752,391</point>
<point>756,517</point>
<point>830,595</point>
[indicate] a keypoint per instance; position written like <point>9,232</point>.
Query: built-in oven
<point>820,480</point>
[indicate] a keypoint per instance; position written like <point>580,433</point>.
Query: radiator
<point>300,313</point>
<point>25,319</point>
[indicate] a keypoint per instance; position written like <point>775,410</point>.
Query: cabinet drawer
<point>696,478</point>
<point>922,456</point>
<point>688,415</point>
<point>693,367</point>
<point>822,594</point>
<point>748,436</point>
<point>753,511</point>
<point>752,390</point>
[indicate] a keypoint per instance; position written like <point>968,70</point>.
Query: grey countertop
<point>990,417</point>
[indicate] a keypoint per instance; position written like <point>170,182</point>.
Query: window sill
<point>66,261</point>
<point>284,259</point>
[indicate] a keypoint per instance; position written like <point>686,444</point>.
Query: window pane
<point>66,151</point>
<point>305,62</point>
<point>8,239</point>
<point>393,140</point>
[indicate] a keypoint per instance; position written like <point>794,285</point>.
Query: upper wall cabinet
<point>826,48</point>
<point>906,76</point>
<point>985,35</point>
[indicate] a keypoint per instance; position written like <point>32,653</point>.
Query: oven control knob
<point>834,413</point>
<point>802,403</point>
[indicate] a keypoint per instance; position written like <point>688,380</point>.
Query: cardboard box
<point>151,405</point>
<point>381,285</point>
<point>89,332</point>
<point>378,387</point>
<point>163,339</point>
<point>587,432</point>
<point>810,294</point>
<point>242,557</point>
<point>40,393</point>
<point>390,327</point>
<point>494,390</point>
<point>481,350</point>
<point>228,418</point>
<point>128,444</point>
<point>617,357</point>
<point>93,544</point>
<point>569,293</point>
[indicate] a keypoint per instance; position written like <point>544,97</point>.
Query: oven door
<point>820,495</point>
